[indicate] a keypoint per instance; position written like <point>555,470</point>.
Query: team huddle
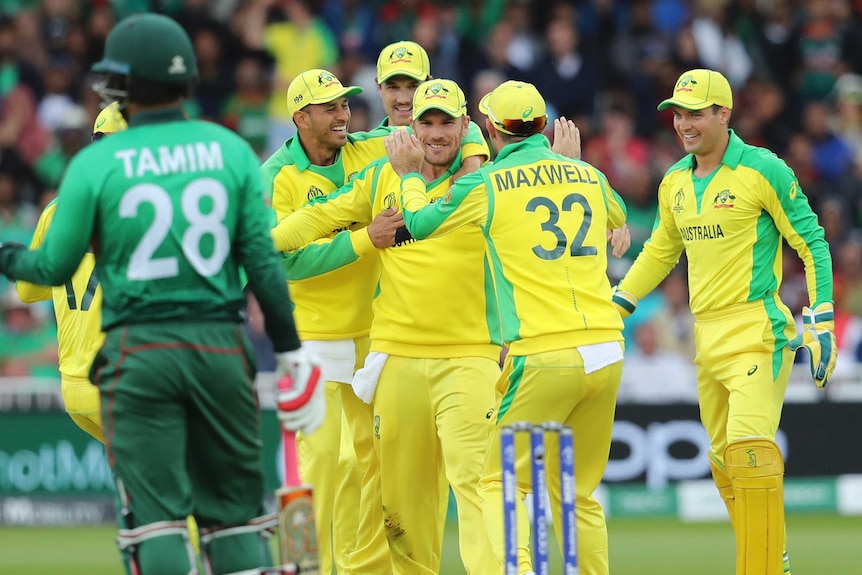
<point>412,261</point>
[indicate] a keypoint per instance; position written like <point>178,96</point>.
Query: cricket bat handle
<point>291,469</point>
<point>297,531</point>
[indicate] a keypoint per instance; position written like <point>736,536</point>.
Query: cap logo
<point>528,112</point>
<point>297,99</point>
<point>401,54</point>
<point>178,65</point>
<point>326,79</point>
<point>434,91</point>
<point>101,123</point>
<point>684,82</point>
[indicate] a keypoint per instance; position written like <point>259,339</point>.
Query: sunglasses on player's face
<point>519,127</point>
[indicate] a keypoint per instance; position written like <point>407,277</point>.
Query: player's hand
<point>6,251</point>
<point>383,231</point>
<point>620,240</point>
<point>567,139</point>
<point>405,152</point>
<point>301,399</point>
<point>625,302</point>
<point>818,337</point>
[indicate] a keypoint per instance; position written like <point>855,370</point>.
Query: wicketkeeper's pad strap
<point>130,537</point>
<point>265,525</point>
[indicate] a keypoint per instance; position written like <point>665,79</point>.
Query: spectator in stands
<point>246,110</point>
<point>28,340</point>
<point>73,133</point>
<point>652,374</point>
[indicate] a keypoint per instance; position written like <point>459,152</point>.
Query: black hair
<point>150,92</point>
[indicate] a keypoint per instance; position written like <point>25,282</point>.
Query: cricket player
<point>78,309</point>
<point>172,208</point>
<point>333,312</point>
<point>436,364</point>
<point>543,219</point>
<point>729,205</point>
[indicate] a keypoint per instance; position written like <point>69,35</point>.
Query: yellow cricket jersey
<point>337,304</point>
<point>77,306</point>
<point>730,225</point>
<point>542,219</point>
<point>332,296</point>
<point>434,298</point>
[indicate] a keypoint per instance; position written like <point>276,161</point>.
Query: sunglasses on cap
<point>519,127</point>
<point>98,136</point>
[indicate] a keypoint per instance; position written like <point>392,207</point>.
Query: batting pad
<point>756,469</point>
<point>725,489</point>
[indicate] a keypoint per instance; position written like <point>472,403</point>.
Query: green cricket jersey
<point>731,224</point>
<point>173,208</point>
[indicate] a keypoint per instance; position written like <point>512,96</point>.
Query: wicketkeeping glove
<point>626,303</point>
<point>301,399</point>
<point>818,337</point>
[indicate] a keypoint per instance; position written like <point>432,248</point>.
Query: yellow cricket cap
<point>316,87</point>
<point>699,89</point>
<point>515,108</point>
<point>442,95</point>
<point>110,120</point>
<point>403,58</point>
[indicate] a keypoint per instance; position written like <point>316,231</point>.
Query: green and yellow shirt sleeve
<point>661,251</point>
<point>474,143</point>
<point>785,202</point>
<point>346,206</point>
<point>466,203</point>
<point>28,292</point>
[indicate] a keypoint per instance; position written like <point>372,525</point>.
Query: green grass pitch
<point>818,545</point>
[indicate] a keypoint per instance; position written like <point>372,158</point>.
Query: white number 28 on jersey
<point>142,265</point>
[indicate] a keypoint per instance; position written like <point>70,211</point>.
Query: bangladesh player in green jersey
<point>730,206</point>
<point>173,208</point>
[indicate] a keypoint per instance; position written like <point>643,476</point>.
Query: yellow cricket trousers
<point>552,386</point>
<point>328,461</point>
<point>81,399</point>
<point>434,417</point>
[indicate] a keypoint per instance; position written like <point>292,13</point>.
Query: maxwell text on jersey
<point>543,174</point>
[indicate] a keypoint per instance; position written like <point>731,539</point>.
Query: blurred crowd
<point>795,66</point>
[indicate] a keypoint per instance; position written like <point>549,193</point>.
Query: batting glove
<point>301,399</point>
<point>818,337</point>
<point>625,302</point>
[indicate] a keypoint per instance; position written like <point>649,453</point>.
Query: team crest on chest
<point>389,201</point>
<point>313,192</point>
<point>723,199</point>
<point>678,202</point>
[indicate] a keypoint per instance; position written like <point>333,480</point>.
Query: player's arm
<point>28,292</point>
<point>613,202</point>
<point>317,219</point>
<point>474,151</point>
<point>324,256</point>
<point>660,254</point>
<point>466,203</point>
<point>262,264</point>
<point>68,238</point>
<point>797,222</point>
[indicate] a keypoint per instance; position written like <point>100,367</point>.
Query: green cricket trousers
<point>182,433</point>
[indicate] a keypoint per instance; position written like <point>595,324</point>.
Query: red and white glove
<point>301,399</point>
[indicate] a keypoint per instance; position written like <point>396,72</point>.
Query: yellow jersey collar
<point>300,158</point>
